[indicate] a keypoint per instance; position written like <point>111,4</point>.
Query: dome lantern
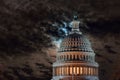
<point>75,26</point>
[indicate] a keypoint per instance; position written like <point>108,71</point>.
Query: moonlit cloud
<point>57,42</point>
<point>23,29</point>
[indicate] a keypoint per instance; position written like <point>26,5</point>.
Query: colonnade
<point>72,57</point>
<point>75,70</point>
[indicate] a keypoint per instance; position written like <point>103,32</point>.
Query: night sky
<point>31,30</point>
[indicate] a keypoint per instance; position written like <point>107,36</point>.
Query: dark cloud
<point>109,49</point>
<point>26,26</point>
<point>24,23</point>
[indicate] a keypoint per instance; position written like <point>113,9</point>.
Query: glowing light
<point>77,70</point>
<point>71,71</point>
<point>65,24</point>
<point>81,72</point>
<point>64,30</point>
<point>57,42</point>
<point>62,27</point>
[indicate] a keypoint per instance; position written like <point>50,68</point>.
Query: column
<point>60,70</point>
<point>63,70</point>
<point>67,70</point>
<point>74,70</point>
<point>92,71</point>
<point>81,70</point>
<point>84,70</point>
<point>89,70</point>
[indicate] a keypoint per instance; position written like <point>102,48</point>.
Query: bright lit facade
<point>75,59</point>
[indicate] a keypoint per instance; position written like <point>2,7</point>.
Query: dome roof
<point>75,42</point>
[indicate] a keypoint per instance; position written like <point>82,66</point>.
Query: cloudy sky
<point>31,30</point>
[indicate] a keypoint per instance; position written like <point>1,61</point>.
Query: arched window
<point>89,58</point>
<point>64,57</point>
<point>73,57</point>
<point>86,57</point>
<point>67,57</point>
<point>83,57</point>
<point>77,57</point>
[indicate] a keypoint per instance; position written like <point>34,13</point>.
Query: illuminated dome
<point>75,59</point>
<point>75,42</point>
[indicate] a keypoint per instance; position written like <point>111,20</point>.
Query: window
<point>73,57</point>
<point>81,70</point>
<point>77,57</point>
<point>67,57</point>
<point>71,71</point>
<point>78,71</point>
<point>83,57</point>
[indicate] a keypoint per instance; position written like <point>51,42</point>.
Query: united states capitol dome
<point>75,59</point>
<point>75,41</point>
